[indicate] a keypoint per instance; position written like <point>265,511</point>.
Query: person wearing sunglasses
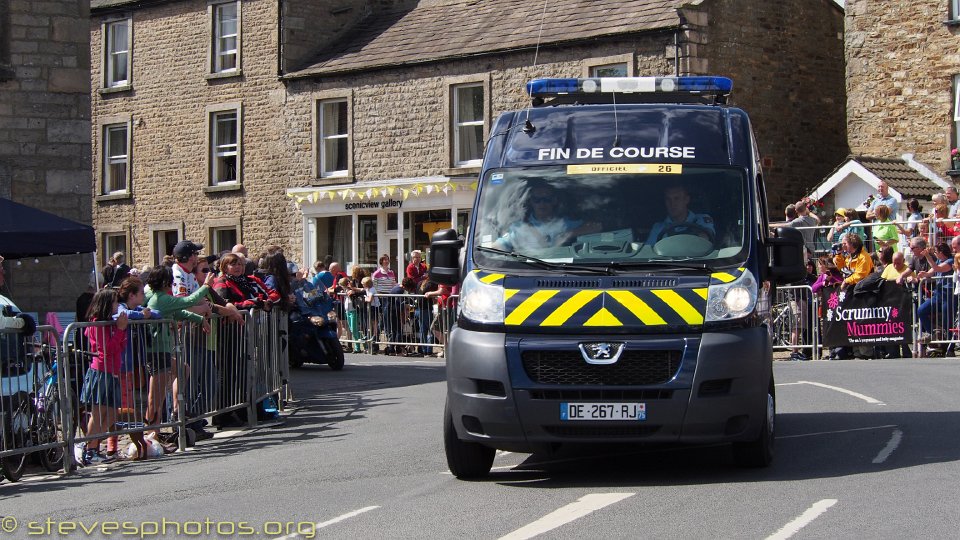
<point>545,224</point>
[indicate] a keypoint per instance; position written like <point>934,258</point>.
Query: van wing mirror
<point>787,264</point>
<point>445,257</point>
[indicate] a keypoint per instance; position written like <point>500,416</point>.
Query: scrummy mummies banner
<point>873,318</point>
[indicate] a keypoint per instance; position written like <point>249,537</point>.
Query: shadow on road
<point>809,445</point>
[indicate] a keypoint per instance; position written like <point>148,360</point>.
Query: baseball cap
<point>212,259</point>
<point>186,248</point>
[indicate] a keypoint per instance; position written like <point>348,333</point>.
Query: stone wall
<point>787,68</point>
<point>901,61</point>
<point>45,136</point>
<point>168,110</point>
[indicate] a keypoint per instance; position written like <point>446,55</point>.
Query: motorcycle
<point>314,340</point>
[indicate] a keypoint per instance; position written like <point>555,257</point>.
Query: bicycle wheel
<point>48,430</point>
<point>18,437</point>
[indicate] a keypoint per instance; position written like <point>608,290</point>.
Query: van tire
<point>466,460</point>
<point>758,453</point>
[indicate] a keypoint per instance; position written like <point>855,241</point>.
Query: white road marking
<point>868,399</point>
<point>892,445</point>
<point>837,431</point>
<point>573,511</point>
<point>329,522</point>
<point>502,453</point>
<point>788,384</point>
<point>805,518</point>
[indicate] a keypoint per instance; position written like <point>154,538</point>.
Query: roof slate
<point>900,176</point>
<point>436,30</point>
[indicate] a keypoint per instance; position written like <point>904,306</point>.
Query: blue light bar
<point>628,85</point>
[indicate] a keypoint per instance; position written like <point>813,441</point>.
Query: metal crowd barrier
<point>936,314</point>
<point>169,375</point>
<point>402,324</point>
<point>30,409</point>
<point>795,320</point>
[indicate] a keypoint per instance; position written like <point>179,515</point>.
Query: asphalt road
<point>865,449</point>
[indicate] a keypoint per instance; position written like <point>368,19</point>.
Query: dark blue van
<point>616,279</point>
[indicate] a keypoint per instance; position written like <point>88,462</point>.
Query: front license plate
<point>603,411</point>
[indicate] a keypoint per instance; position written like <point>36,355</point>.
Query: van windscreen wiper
<point>657,263</point>
<point>533,261</point>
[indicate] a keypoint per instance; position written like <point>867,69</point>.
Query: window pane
<point>118,72</point>
<point>226,168</point>
<point>471,143</point>
<point>224,239</point>
<point>334,118</point>
<point>118,36</point>
<point>335,155</point>
<point>226,130</point>
<point>609,70</point>
<point>117,141</point>
<point>470,104</point>
<point>118,177</point>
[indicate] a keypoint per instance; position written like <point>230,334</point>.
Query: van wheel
<point>759,453</point>
<point>466,460</point>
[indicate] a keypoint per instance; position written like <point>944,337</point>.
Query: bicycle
<point>34,419</point>
<point>784,323</point>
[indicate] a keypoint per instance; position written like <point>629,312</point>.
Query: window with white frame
<point>954,10</point>
<point>223,239</point>
<point>112,243</point>
<point>164,241</point>
<point>226,37</point>
<point>116,158</point>
<point>609,70</point>
<point>334,137</point>
<point>468,119</point>
<point>117,53</point>
<point>225,147</point>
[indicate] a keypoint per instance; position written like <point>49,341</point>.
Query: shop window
<point>225,41</point>
<point>334,137</point>
<point>116,158</point>
<point>118,44</point>
<point>468,122</point>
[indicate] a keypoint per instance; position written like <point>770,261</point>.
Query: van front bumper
<point>718,393</point>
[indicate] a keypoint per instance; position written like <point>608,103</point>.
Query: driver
<point>544,226</point>
<point>676,199</point>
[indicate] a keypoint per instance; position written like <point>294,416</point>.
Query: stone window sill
<point>114,197</point>
<point>114,90</point>
<point>462,171</point>
<point>225,75</point>
<point>953,172</point>
<point>333,180</point>
<point>952,22</point>
<point>223,188</point>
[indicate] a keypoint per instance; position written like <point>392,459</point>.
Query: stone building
<point>903,80</point>
<point>355,128</point>
<point>45,136</point>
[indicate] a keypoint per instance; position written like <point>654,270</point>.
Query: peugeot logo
<point>601,352</point>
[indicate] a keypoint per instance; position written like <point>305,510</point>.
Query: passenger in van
<point>676,200</point>
<point>544,225</point>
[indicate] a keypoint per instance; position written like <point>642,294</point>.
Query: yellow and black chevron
<point>605,307</point>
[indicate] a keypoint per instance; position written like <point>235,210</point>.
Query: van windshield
<point>625,214</point>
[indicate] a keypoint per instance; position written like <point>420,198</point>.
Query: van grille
<point>604,394</point>
<point>633,368</point>
<point>568,283</point>
<point>645,283</point>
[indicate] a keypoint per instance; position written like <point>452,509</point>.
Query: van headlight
<point>481,302</point>
<point>732,300</point>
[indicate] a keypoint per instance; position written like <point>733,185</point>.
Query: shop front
<point>358,223</point>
